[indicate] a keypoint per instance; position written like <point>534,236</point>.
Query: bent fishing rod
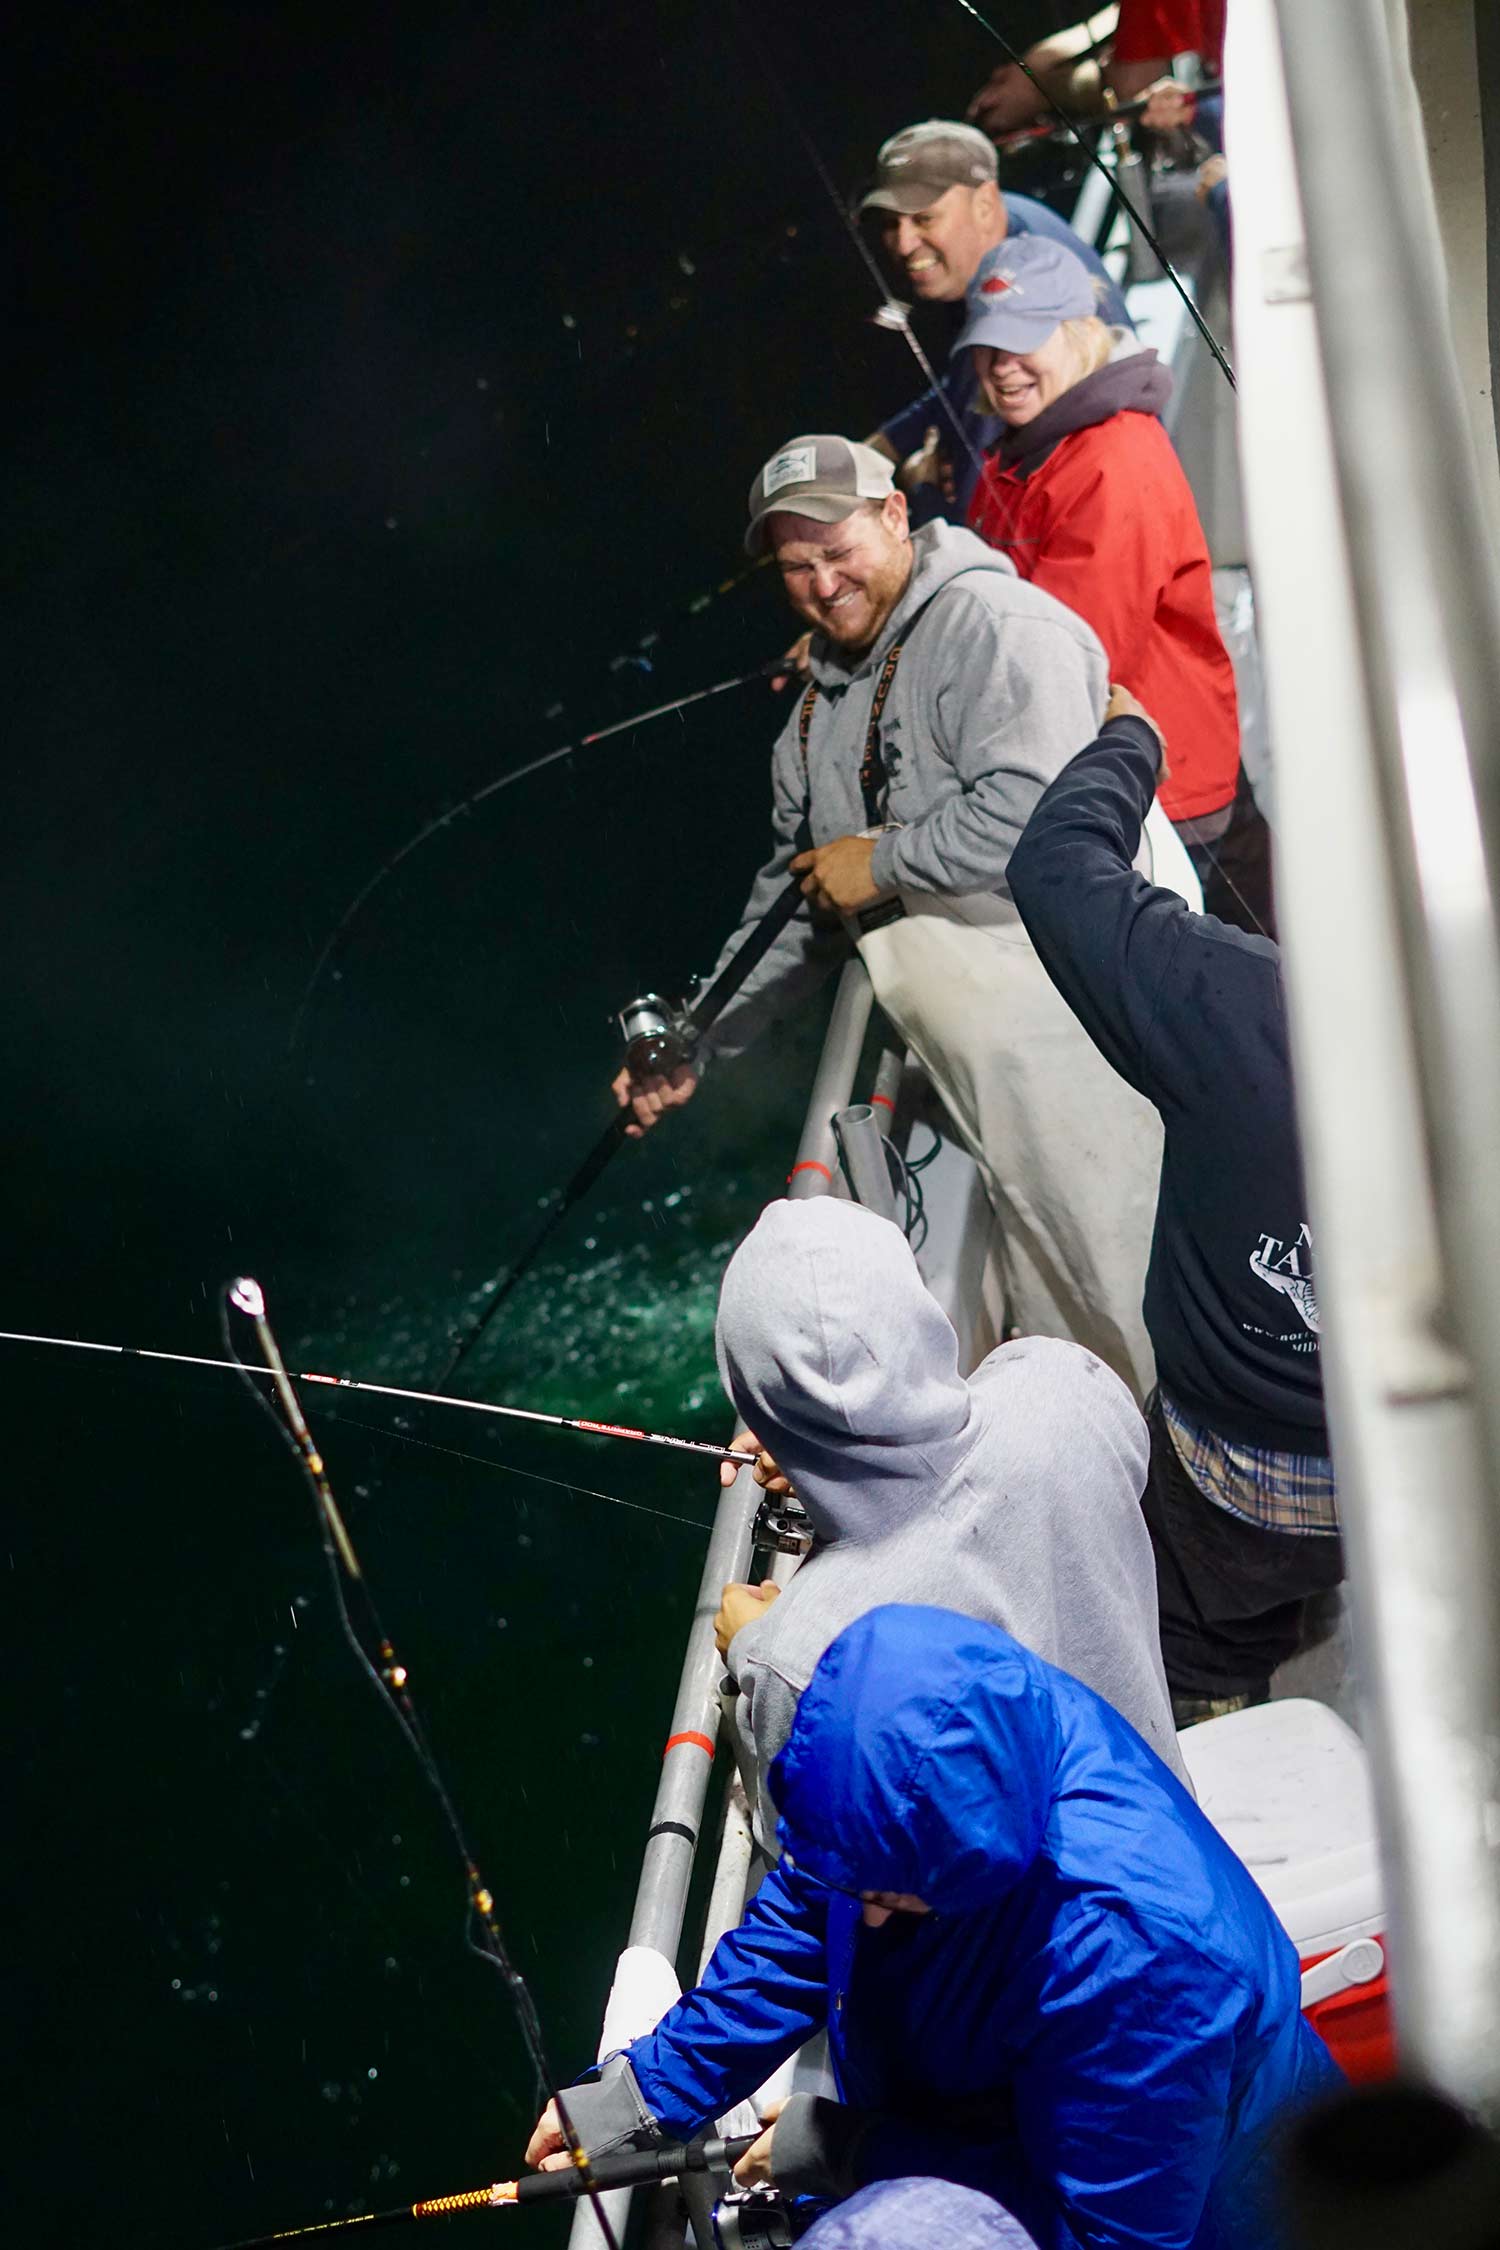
<point>659,1038</point>
<point>704,1446</point>
<point>633,2168</point>
<point>392,1681</point>
<point>772,669</point>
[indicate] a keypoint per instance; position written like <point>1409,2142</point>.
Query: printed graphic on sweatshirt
<point>1287,1268</point>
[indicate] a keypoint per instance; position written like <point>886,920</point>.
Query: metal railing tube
<point>815,1170</point>
<point>1368,585</point>
<point>687,1765</point>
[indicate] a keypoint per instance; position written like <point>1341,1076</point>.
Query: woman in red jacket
<point>1085,493</point>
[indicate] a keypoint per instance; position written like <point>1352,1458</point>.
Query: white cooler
<point>1287,1786</point>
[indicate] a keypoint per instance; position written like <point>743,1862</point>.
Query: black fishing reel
<point>658,1035</point>
<point>781,1522</point>
<point>757,2219</point>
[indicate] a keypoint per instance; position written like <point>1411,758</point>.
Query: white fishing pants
<point>1070,1154</point>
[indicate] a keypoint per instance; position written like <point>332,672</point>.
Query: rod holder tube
<point>862,1146</point>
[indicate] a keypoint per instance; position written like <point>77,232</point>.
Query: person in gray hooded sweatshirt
<point>1012,1496</point>
<point>946,694</point>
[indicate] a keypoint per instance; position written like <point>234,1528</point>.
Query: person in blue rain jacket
<point>1043,1973</point>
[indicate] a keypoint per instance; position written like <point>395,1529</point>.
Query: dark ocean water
<point>386,407</point>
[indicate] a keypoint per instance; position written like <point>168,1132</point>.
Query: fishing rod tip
<point>247,1296</point>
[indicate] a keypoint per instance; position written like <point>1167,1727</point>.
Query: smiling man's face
<point>938,250</point>
<point>844,579</point>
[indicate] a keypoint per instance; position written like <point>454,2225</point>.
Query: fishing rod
<point>704,1446</point>
<point>1123,113</point>
<point>891,313</point>
<point>392,1682</point>
<point>660,1038</point>
<point>1137,220</point>
<point>633,2168</point>
<point>772,669</point>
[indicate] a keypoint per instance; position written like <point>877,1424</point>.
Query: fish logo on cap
<point>997,283</point>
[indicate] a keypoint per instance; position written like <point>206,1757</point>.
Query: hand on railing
<point>740,1605</point>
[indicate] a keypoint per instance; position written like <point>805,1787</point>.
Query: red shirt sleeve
<point>1159,29</point>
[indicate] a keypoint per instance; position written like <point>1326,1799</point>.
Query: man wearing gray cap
<point>945,695</point>
<point>940,211</point>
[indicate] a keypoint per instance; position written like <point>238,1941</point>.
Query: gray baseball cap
<point>1022,291</point>
<point>918,165</point>
<point>824,478</point>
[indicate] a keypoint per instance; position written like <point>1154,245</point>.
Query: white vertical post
<point>1415,1475</point>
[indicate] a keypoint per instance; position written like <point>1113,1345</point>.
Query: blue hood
<point>1099,2026</point>
<point>923,1759</point>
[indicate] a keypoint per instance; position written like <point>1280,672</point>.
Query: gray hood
<point>843,1364</point>
<point>1012,1495</point>
<point>941,552</point>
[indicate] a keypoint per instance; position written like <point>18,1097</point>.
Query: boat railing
<point>647,1968</point>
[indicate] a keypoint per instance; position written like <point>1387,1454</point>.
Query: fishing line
<point>434,827</point>
<point>892,314</point>
<point>1183,292</point>
<point>1115,189</point>
<point>391,1680</point>
<point>508,1468</point>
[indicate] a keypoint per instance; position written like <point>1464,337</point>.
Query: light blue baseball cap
<point>1023,291</point>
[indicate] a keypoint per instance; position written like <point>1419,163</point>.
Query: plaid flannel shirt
<point>1277,1491</point>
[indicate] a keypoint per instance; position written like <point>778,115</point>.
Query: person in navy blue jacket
<point>1240,1498</point>
<point>1042,1972</point>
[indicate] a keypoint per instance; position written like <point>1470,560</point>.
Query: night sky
<point>384,409</point>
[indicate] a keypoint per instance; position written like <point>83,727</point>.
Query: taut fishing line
<point>509,1469</point>
<point>389,1677</point>
<point>892,314</point>
<point>434,827</point>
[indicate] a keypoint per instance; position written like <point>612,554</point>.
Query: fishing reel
<point>658,1034</point>
<point>757,2219</point>
<point>781,1522</point>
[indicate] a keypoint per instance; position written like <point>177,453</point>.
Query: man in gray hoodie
<point>945,695</point>
<point>1013,1496</point>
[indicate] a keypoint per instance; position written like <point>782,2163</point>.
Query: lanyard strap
<point>873,780</point>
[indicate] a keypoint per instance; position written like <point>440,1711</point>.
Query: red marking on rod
<point>335,1380</point>
<point>608,1429</point>
<point>698,1741</point>
<point>884,1101</point>
<point>808,1164</point>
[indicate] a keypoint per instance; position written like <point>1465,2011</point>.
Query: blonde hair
<point>1089,342</point>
